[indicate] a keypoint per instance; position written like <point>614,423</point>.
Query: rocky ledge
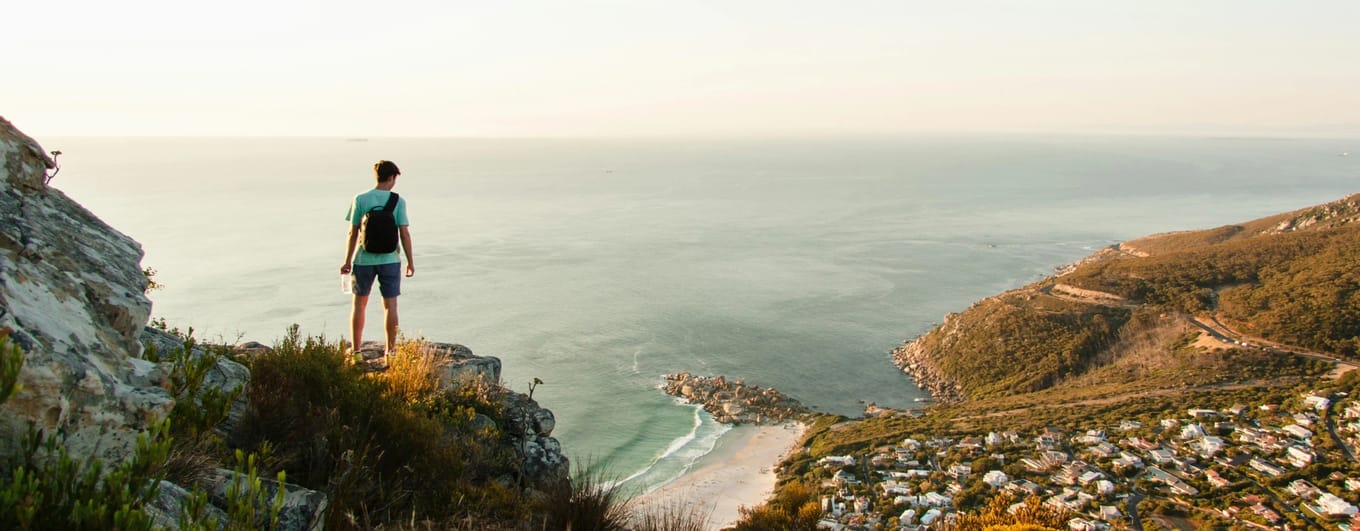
<point>734,402</point>
<point>528,426</point>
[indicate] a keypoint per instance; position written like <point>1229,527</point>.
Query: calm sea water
<point>599,265</point>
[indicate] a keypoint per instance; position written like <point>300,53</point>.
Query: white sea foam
<point>680,455</point>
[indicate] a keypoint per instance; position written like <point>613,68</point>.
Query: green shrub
<point>46,488</point>
<point>794,508</point>
<point>248,502</point>
<point>198,409</point>
<point>11,361</point>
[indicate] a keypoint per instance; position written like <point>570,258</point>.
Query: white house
<point>1332,505</point>
<point>1161,455</point>
<point>1192,431</point>
<point>935,499</point>
<point>996,478</point>
<point>1302,488</point>
<point>1128,460</point>
<point>1299,457</point>
<point>1320,403</point>
<point>930,517</point>
<point>1265,468</point>
<point>1298,431</point>
<point>892,488</point>
<point>994,439</point>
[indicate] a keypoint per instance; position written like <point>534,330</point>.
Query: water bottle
<point>346,284</point>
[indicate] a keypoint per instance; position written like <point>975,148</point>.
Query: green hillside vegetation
<point>1297,287</point>
<point>1049,337</point>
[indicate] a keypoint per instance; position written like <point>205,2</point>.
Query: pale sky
<point>679,68</point>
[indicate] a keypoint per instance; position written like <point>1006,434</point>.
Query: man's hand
<point>344,269</point>
<point>410,270</point>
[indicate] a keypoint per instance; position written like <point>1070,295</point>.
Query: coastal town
<point>1250,466</point>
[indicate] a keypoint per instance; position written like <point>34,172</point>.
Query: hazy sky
<point>643,67</point>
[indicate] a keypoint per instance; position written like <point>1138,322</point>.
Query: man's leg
<point>356,322</point>
<point>390,316</point>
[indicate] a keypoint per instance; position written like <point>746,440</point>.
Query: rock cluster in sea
<point>734,402</point>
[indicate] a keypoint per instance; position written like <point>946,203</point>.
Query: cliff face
<point>71,291</point>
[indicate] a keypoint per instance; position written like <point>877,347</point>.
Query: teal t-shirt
<point>375,199</point>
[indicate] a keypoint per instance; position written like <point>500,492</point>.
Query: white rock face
<point>71,291</point>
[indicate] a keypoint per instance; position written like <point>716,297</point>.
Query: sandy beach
<point>738,472</point>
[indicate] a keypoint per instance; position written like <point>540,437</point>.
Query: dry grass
<point>1139,351</point>
<point>192,464</point>
<point>413,371</point>
<point>673,516</point>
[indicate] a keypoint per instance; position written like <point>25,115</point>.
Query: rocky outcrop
<point>734,402</point>
<point>456,363</point>
<point>528,426</point>
<point>72,293</point>
<point>913,358</point>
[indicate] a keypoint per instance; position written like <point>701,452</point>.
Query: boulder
<point>459,365</point>
<point>543,459</point>
<point>165,510</point>
<point>303,509</point>
<point>72,294</point>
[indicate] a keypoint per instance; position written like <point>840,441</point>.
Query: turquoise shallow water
<point>599,265</point>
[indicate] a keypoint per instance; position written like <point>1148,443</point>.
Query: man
<point>385,267</point>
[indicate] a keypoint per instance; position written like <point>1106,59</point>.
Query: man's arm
<point>406,246</point>
<point>353,239</point>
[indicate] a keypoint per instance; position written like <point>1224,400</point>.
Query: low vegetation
<point>389,449</point>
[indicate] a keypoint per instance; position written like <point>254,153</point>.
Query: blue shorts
<point>388,275</point>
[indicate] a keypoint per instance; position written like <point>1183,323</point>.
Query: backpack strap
<point>391,203</point>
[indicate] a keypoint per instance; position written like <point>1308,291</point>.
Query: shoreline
<point>740,471</point>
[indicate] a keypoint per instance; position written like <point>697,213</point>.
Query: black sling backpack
<point>379,228</point>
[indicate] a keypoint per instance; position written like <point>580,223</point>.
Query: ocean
<point>598,265</point>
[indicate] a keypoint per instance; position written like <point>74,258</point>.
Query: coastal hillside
<point>1257,290</point>
<point>1189,380</point>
